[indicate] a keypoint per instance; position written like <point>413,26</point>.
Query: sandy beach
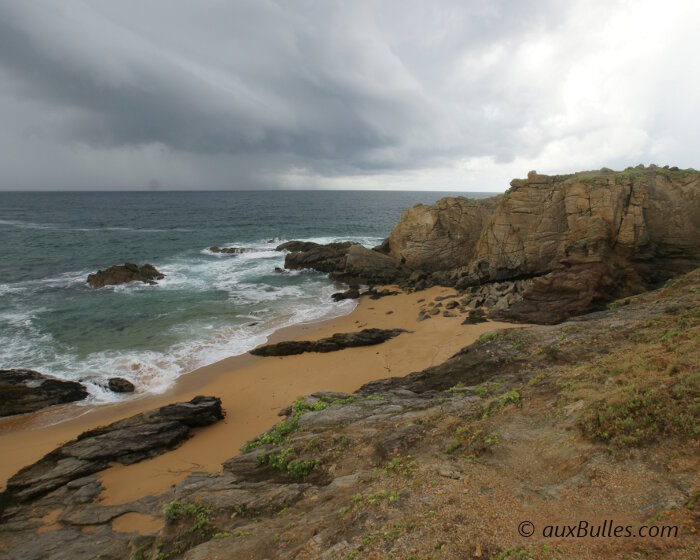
<point>252,389</point>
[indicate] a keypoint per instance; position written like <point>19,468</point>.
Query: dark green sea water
<point>207,308</point>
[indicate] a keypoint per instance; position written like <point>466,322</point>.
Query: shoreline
<point>253,390</point>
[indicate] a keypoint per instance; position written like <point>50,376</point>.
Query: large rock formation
<point>122,274</point>
<point>26,390</point>
<point>570,243</point>
<point>582,239</point>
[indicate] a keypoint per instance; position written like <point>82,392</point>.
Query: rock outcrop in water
<point>120,385</point>
<point>235,250</point>
<point>26,390</point>
<point>127,441</point>
<point>347,262</point>
<point>123,274</point>
<point>365,337</point>
<point>568,243</point>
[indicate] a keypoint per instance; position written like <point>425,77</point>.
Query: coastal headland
<point>546,374</point>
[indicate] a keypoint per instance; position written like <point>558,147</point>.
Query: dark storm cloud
<point>259,91</point>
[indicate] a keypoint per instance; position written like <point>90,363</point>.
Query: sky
<point>260,94</point>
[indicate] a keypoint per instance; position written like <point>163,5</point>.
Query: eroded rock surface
<point>26,390</point>
<point>127,441</point>
<point>123,274</point>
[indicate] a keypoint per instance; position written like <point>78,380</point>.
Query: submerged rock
<point>123,274</point>
<point>234,250</point>
<point>26,390</point>
<point>366,337</point>
<point>120,385</point>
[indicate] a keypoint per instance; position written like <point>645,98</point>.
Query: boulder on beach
<point>123,274</point>
<point>120,385</point>
<point>26,390</point>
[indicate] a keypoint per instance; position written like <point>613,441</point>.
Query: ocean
<point>209,306</point>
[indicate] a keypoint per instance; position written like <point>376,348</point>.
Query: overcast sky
<point>440,95</point>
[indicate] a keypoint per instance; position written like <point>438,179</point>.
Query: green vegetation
<point>280,433</point>
<point>649,387</point>
<point>500,402</point>
<point>472,440</point>
<point>488,337</point>
<point>286,460</point>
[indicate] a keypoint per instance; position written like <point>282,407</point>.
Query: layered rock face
<point>545,222</point>
<point>580,239</point>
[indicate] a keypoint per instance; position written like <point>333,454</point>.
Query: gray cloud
<point>252,94</point>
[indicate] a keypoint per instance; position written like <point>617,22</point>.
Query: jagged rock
<point>338,341</point>
<point>305,254</point>
<point>351,293</point>
<point>127,441</point>
<point>26,390</point>
<point>122,274</point>
<point>475,316</point>
<point>297,246</point>
<point>120,385</point>
<point>348,262</point>
<point>451,304</point>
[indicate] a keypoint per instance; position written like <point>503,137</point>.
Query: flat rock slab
<point>127,441</point>
<point>26,390</point>
<point>339,341</point>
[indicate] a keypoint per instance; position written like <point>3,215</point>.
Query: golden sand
<point>252,390</point>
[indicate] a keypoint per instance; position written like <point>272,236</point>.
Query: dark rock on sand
<point>351,293</point>
<point>338,341</point>
<point>122,274</point>
<point>25,390</point>
<point>475,316</point>
<point>127,441</point>
<point>120,385</point>
<point>374,293</point>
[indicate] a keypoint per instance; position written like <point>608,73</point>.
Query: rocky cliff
<point>570,243</point>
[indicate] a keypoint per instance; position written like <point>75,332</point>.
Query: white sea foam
<point>267,302</point>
